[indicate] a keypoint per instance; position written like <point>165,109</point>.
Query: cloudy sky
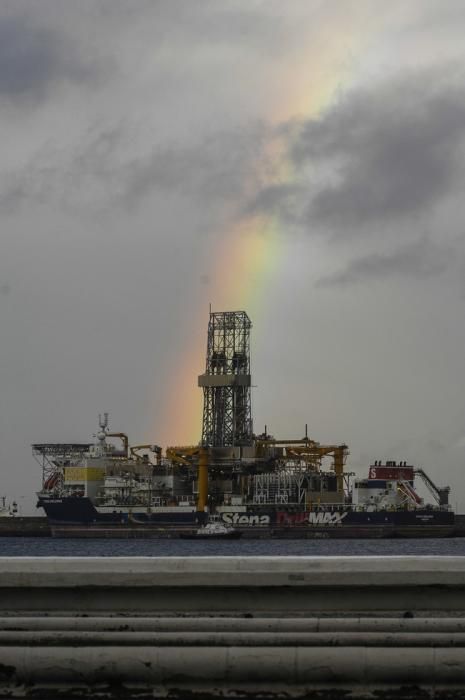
<point>301,160</point>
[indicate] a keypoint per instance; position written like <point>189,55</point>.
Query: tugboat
<point>214,529</point>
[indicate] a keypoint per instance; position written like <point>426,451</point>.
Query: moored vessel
<point>257,484</point>
<point>285,492</point>
<point>7,509</point>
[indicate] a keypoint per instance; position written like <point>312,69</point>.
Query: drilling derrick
<point>227,417</point>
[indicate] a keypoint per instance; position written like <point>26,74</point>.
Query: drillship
<point>259,484</point>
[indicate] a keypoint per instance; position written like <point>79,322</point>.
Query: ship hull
<point>81,511</point>
<point>68,515</point>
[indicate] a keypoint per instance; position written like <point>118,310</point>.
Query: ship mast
<point>101,445</point>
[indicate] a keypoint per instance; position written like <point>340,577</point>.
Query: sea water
<point>49,547</point>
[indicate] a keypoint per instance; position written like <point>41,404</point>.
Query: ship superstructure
<point>7,509</point>
<point>247,480</point>
<point>100,481</point>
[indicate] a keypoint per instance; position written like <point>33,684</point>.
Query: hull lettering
<point>243,519</point>
<point>321,518</point>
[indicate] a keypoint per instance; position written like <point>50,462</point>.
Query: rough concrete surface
<point>374,627</point>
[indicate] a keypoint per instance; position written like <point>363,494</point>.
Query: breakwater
<point>264,626</point>
<point>40,527</point>
<point>24,527</point>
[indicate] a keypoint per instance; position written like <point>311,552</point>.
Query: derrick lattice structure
<point>227,414</point>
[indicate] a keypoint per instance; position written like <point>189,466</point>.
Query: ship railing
<point>338,507</point>
<point>134,501</point>
<point>67,492</point>
<point>186,502</point>
<point>273,501</point>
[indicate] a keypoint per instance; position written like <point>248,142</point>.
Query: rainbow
<point>250,247</point>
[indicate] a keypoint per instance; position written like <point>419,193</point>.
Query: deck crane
<point>440,494</point>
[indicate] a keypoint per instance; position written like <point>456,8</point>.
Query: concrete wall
<point>22,526</point>
<point>237,625</point>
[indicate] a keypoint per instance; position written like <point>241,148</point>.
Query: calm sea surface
<point>45,547</point>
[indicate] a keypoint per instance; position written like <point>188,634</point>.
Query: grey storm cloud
<point>420,259</point>
<point>217,166</point>
<point>377,155</point>
<point>373,171</point>
<point>395,150</point>
<point>283,199</point>
<point>32,57</point>
<point>100,170</point>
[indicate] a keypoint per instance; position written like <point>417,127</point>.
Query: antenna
<point>103,423</point>
<point>100,447</point>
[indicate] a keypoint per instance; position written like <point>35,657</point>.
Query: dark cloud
<point>283,199</point>
<point>102,169</point>
<point>421,259</point>
<point>219,167</point>
<point>36,181</point>
<point>32,57</point>
<point>378,156</point>
<point>394,151</point>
